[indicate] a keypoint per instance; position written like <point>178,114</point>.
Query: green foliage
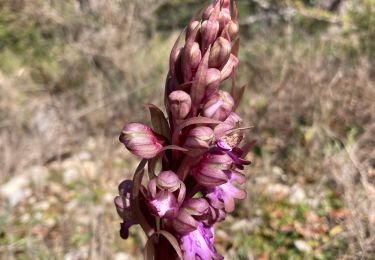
<point>24,42</point>
<point>362,16</point>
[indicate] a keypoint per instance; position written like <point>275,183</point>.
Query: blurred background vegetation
<point>72,72</point>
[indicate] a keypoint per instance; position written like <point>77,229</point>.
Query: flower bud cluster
<point>207,58</point>
<point>198,183</point>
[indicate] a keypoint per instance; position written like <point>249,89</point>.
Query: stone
<point>302,246</point>
<point>297,195</point>
<point>16,190</point>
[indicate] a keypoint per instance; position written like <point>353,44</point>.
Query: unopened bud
<point>219,106</point>
<point>213,80</point>
<point>195,56</point>
<point>180,104</point>
<point>229,67</point>
<point>209,31</point>
<point>207,12</point>
<point>220,53</point>
<point>224,18</point>
<point>168,180</point>
<point>225,4</point>
<point>199,138</point>
<point>141,140</point>
<point>233,29</point>
<point>191,27</point>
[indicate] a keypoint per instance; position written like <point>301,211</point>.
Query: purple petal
<point>223,145</point>
<point>223,196</point>
<point>199,244</point>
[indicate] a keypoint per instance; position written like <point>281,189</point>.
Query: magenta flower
<point>167,193</point>
<point>199,244</point>
<point>223,196</point>
<point>193,153</point>
<point>210,171</point>
<point>122,203</point>
<point>190,213</point>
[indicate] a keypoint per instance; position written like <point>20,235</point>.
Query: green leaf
<point>199,84</point>
<point>149,250</point>
<point>137,183</point>
<point>238,97</point>
<point>173,241</point>
<point>159,122</point>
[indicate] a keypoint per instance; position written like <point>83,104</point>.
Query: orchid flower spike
<point>193,151</point>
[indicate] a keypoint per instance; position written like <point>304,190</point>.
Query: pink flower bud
<point>224,18</point>
<point>219,106</point>
<point>141,140</point>
<point>210,169</point>
<point>220,53</point>
<point>233,29</point>
<point>209,31</point>
<point>191,27</point>
<point>168,180</point>
<point>229,67</point>
<point>213,80</point>
<point>207,12</point>
<point>225,4</point>
<point>180,104</point>
<point>199,138</point>
<point>195,56</point>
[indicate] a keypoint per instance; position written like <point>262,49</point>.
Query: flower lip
<point>223,196</point>
<point>164,205</point>
<point>199,244</point>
